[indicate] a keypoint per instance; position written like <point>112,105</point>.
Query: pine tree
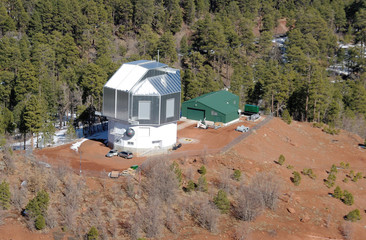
<point>202,184</point>
<point>93,234</point>
<point>40,222</point>
<point>178,172</point>
<point>338,193</point>
<point>221,201</point>
<point>33,116</point>
<point>5,195</point>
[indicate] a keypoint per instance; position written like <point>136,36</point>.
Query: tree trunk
<point>314,110</point>
<point>25,140</point>
<point>272,104</point>
<point>37,140</point>
<point>32,141</point>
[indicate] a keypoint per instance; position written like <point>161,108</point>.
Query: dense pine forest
<point>56,55</point>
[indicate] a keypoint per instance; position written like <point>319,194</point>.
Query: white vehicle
<point>112,153</point>
<point>242,128</point>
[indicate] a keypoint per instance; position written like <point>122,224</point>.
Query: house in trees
<point>142,103</point>
<point>220,106</point>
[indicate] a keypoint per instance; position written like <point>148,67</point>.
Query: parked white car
<point>112,153</point>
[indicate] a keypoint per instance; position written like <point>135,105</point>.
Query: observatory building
<point>142,103</point>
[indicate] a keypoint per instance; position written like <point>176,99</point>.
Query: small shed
<point>220,106</point>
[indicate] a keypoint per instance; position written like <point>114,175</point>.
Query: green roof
<point>217,100</point>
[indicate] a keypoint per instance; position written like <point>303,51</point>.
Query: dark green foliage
<point>5,195</point>
<point>357,177</point>
<point>353,216</point>
<point>348,198</point>
<point>191,186</point>
<point>237,174</point>
<point>202,170</point>
<point>202,184</point>
<point>281,160</point>
<point>286,117</point>
<point>329,182</point>
<point>40,222</point>
<point>309,172</point>
<point>338,193</point>
<point>290,167</point>
<point>221,201</point>
<point>47,43</point>
<point>38,205</point>
<point>93,234</point>
<point>331,131</point>
<point>178,172</point>
<point>296,179</point>
<point>351,174</point>
<point>333,169</point>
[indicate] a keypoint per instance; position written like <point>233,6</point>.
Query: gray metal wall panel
<point>109,95</point>
<point>122,105</point>
<point>163,118</point>
<point>154,110</point>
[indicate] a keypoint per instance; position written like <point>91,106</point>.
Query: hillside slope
<point>306,211</point>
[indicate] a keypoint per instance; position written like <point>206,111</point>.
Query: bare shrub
<point>2,216</point>
<point>69,217</point>
<point>72,194</point>
<point>134,226</point>
<point>10,166</point>
<point>51,217</point>
<point>95,212</point>
<point>102,179</point>
<point>117,196</point>
<point>61,172</point>
<point>152,217</point>
<point>204,213</point>
<point>171,221</point>
<point>34,183</point>
<point>225,180</point>
<point>113,230</point>
<point>52,183</point>
<point>30,223</point>
<point>328,220</point>
<point>130,187</point>
<point>269,188</point>
<point>189,173</point>
<point>19,197</point>
<point>161,181</point>
<point>241,232</point>
<point>249,204</point>
<point>103,234</point>
<point>346,230</point>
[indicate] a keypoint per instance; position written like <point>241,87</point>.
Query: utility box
<point>251,109</point>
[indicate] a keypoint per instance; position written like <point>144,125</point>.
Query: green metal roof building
<point>220,106</point>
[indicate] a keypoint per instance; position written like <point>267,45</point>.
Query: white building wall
<point>146,138</point>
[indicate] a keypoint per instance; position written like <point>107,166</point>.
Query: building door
<point>195,114</point>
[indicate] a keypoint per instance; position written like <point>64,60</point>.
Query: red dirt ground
<point>93,152</point>
<point>301,144</point>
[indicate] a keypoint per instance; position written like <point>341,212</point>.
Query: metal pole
<point>158,55</point>
<point>80,161</point>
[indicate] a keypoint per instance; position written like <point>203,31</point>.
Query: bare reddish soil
<point>315,215</point>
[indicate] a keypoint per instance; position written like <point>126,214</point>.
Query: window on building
<point>213,113</point>
<point>144,110</point>
<point>129,143</point>
<point>170,107</point>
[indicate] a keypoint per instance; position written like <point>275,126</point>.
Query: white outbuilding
<point>142,103</point>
